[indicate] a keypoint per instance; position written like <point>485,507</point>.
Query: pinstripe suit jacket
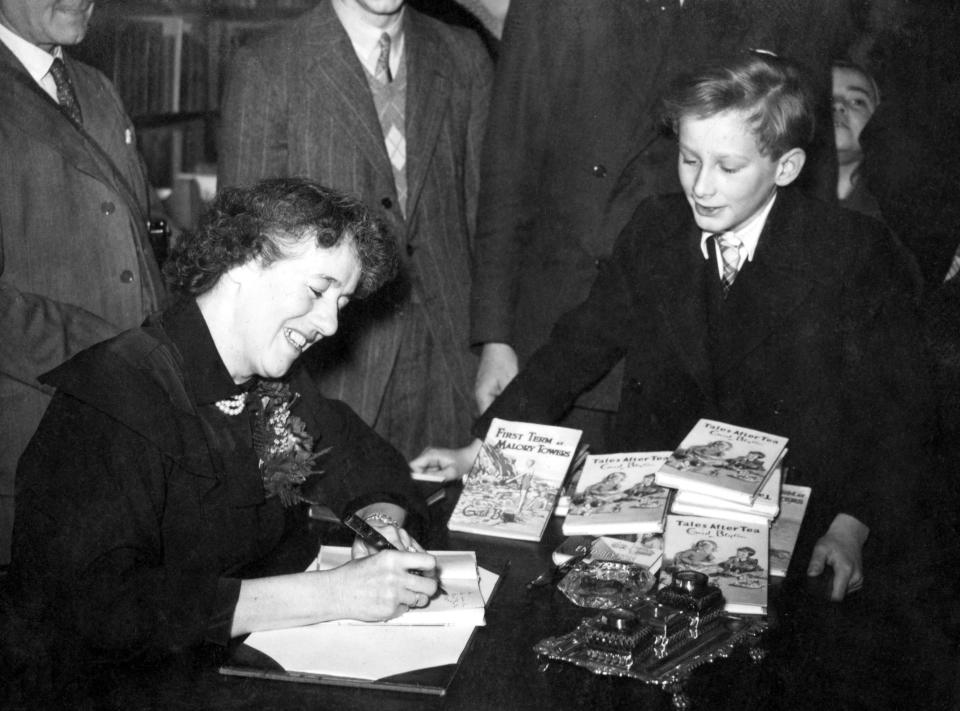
<point>298,103</point>
<point>75,262</point>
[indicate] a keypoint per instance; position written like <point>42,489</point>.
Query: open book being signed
<point>374,654</point>
<point>462,604</point>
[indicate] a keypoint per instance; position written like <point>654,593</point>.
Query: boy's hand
<point>841,547</point>
<point>450,463</point>
<point>498,366</point>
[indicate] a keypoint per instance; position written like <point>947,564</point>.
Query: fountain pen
<point>372,537</point>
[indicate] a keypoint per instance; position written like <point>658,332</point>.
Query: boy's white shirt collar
<point>36,61</point>
<point>748,234</point>
<point>365,38</point>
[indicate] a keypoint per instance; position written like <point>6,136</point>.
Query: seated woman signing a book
<point>745,301</point>
<point>179,453</point>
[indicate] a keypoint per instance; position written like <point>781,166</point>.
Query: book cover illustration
<point>616,494</point>
<point>786,527</point>
<point>723,460</point>
<point>734,555</point>
<point>512,487</point>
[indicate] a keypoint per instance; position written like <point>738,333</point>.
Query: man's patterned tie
<point>382,72</point>
<point>65,93</point>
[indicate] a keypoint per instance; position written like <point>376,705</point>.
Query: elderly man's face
<point>47,23</point>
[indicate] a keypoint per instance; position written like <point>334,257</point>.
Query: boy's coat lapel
<point>769,289</point>
<point>678,273</point>
<point>772,287</point>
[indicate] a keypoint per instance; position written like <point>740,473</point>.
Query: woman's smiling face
<point>283,308</point>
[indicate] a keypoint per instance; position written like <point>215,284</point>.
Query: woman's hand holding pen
<point>379,587</point>
<point>372,538</point>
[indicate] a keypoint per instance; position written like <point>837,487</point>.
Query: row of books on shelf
<point>178,63</point>
<point>717,503</point>
<point>157,63</point>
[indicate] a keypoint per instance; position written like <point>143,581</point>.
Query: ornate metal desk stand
<point>661,639</point>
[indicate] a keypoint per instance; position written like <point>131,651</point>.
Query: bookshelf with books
<point>168,61</point>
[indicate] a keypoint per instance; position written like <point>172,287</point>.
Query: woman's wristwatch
<point>382,518</point>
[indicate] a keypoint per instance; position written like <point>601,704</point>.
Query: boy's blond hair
<point>773,92</point>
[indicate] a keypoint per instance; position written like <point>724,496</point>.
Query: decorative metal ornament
<point>659,640</point>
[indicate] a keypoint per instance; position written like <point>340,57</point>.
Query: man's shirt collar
<point>748,234</point>
<point>365,37</point>
<point>35,60</point>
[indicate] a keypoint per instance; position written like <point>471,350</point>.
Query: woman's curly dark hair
<point>260,222</point>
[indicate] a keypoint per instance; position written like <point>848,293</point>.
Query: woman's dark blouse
<point>140,501</point>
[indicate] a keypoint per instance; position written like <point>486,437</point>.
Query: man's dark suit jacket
<point>76,266</point>
<point>298,103</point>
<point>819,344</point>
<point>574,144</point>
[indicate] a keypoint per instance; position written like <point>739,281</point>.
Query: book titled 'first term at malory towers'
<point>512,487</point>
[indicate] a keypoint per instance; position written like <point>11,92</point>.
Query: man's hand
<point>450,463</point>
<point>841,547</point>
<point>498,366</point>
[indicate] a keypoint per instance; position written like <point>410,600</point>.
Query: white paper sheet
<point>367,650</point>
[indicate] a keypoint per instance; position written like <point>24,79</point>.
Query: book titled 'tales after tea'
<point>723,460</point>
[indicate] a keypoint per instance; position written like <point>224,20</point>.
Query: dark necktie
<point>65,93</point>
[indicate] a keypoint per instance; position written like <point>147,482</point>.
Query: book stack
<point>762,511</point>
<point>513,484</point>
<point>616,494</point>
<point>779,506</point>
<point>786,526</point>
<point>729,483</point>
<point>723,461</point>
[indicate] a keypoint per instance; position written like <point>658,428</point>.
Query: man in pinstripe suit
<point>397,122</point>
